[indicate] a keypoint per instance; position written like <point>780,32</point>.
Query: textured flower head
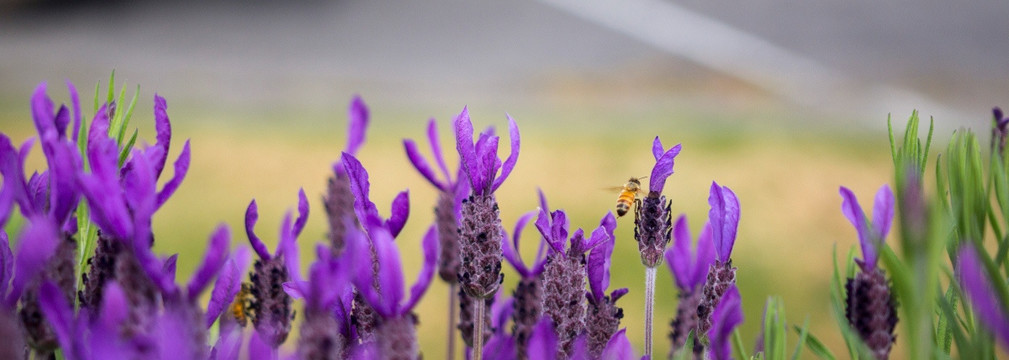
<point>598,267</point>
<point>690,269</point>
<point>728,314</point>
<point>663,165</point>
<point>363,206</point>
<point>978,287</point>
<point>554,228</point>
<point>357,125</point>
<point>870,236</point>
<point>480,160</point>
<point>387,300</point>
<point>723,218</point>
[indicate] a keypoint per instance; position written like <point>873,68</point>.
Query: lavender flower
<point>723,221</point>
<point>870,307</point>
<point>564,276</point>
<point>339,200</point>
<point>652,218</point>
<point>321,336</point>
<point>90,337</point>
<point>1000,130</point>
<point>527,294</point>
<point>978,287</point>
<point>480,233</point>
<point>363,316</point>
<point>728,314</point>
<point>544,341</point>
<point>270,309</point>
<point>396,335</point>
<point>603,317</point>
<point>689,272</point>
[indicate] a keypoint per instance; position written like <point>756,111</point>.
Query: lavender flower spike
<point>480,233</point>
<point>396,334</point>
<point>339,201</point>
<point>723,222</point>
<point>652,218</point>
<point>690,271</point>
<point>1000,130</point>
<point>870,307</point>
<point>602,319</point>
<point>728,314</point>
<point>977,285</point>
<point>271,311</point>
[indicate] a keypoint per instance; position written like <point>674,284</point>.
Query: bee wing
<point>613,188</point>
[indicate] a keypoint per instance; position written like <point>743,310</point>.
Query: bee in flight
<point>628,195</point>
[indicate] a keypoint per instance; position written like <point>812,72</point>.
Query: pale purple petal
<point>723,219</point>
<point>467,151</point>
<point>14,184</point>
<point>511,250</point>
<point>657,148</point>
<point>853,211</point>
<point>299,223</point>
<point>979,290</point>
<point>426,271</point>
<point>42,111</point>
<point>598,268</point>
<point>60,316</point>
<point>228,344</point>
<point>360,186</point>
<point>662,169</point>
<point>227,285</point>
<point>213,260</point>
<point>543,341</point>
<point>543,224</point>
<point>288,248</point>
<point>602,233</point>
<point>65,164</point>
<point>488,163</point>
<point>501,311</point>
<point>115,306</point>
<point>882,213</point>
<point>579,347</point>
<point>259,349</point>
<point>115,310</point>
<point>139,188</point>
<point>705,258</point>
<point>251,216</point>
<point>357,124</point>
<point>500,346</point>
<point>163,127</point>
<point>75,102</point>
<point>297,289</point>
<point>727,315</point>
<point>181,169</point>
<point>399,212</point>
<point>619,347</point>
<point>509,163</point>
<point>618,293</point>
<point>421,165</point>
<point>439,157</point>
<point>678,256</point>
<point>37,243</point>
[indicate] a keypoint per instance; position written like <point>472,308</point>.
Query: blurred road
<point>949,59</point>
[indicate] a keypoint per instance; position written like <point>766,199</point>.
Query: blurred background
<point>782,101</point>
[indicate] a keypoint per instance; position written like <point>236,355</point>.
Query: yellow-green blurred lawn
<point>786,179</point>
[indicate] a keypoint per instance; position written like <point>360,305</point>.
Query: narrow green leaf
<point>98,88</point>
<point>127,115</point>
<point>814,344</point>
<point>125,153</point>
<point>893,145</point>
<point>737,342</point>
<point>802,338</point>
<point>112,88</point>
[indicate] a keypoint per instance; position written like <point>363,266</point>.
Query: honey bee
<point>241,308</point>
<point>628,195</point>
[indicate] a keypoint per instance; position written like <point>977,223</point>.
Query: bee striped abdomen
<point>624,202</point>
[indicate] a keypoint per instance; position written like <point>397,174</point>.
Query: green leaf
<point>802,338</point>
<point>737,341</point>
<point>813,344</point>
<point>125,152</point>
<point>127,115</point>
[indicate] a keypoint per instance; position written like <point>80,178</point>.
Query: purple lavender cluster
<point>127,304</point>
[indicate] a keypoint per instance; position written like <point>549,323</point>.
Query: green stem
<point>649,309</point>
<point>479,308</point>
<point>452,289</point>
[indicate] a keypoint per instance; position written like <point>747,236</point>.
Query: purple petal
<point>501,311</point>
<point>297,289</point>
<point>678,256</point>
<point>467,152</point>
<point>657,148</point>
<point>42,111</point>
<point>510,250</point>
<point>299,223</point>
<point>579,347</point>
<point>724,219</point>
<point>227,285</point>
<point>213,260</point>
<point>288,248</point>
<point>979,290</point>
<point>399,212</point>
<point>727,315</point>
<point>853,211</point>
<point>139,190</point>
<point>662,169</point>
<point>115,310</point>
<point>65,164</point>
<point>509,163</point>
<point>228,344</point>
<point>487,161</point>
<point>75,101</point>
<point>357,124</point>
<point>705,258</point>
<point>259,349</point>
<point>169,266</point>
<point>426,271</point>
<point>598,268</point>
<point>543,225</point>
<point>421,165</point>
<point>882,213</point>
<point>181,169</point>
<point>14,184</point>
<point>602,233</point>
<point>36,244</point>
<point>439,157</point>
<point>619,347</point>
<point>359,185</point>
<point>60,317</point>
<point>543,341</point>
<point>251,216</point>
<point>6,262</point>
<point>164,134</point>
<point>618,293</point>
<point>61,121</point>
<point>155,270</point>
<point>500,346</point>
